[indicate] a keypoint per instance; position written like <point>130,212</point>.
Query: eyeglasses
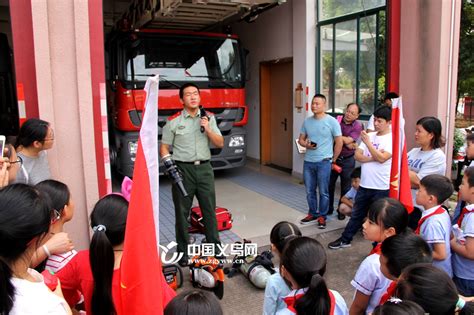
<point>51,138</point>
<point>18,160</point>
<point>352,113</point>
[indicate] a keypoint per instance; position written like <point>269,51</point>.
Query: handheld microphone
<point>203,114</point>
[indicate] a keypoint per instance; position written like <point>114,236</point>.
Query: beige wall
<point>304,69</point>
<point>428,78</point>
<point>270,37</point>
<point>61,41</point>
<point>287,31</point>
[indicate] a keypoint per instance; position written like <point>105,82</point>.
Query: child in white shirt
<point>435,223</point>
<point>386,217</point>
<point>347,201</point>
<point>462,246</point>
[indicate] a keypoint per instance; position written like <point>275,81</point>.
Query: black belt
<point>345,157</point>
<point>194,162</point>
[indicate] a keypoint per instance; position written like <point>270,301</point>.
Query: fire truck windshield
<point>209,62</point>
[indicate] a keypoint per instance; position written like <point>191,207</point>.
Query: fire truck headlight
<point>236,141</point>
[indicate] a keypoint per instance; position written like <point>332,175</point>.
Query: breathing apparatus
<point>207,272</point>
<point>257,268</point>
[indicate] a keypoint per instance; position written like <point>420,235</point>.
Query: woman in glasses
<point>35,137</point>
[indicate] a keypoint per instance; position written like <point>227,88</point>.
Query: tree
<point>466,49</point>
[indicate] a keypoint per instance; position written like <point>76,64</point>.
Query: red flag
<point>400,187</point>
<point>143,287</point>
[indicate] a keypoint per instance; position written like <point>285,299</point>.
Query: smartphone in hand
<point>2,144</point>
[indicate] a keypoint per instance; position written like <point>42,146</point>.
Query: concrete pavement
<point>241,297</point>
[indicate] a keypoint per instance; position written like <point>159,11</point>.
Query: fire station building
<point>347,50</point>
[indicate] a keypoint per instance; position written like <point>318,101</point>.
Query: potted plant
<point>458,143</point>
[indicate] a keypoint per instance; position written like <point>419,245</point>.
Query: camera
<point>174,173</point>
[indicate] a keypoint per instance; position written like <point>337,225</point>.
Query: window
<point>330,9</point>
<point>207,61</point>
<point>351,53</point>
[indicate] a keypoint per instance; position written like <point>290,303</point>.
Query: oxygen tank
<point>255,272</point>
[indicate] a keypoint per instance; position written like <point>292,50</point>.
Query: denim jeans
<point>316,176</point>
<point>364,198</point>
<point>347,165</point>
<point>465,286</point>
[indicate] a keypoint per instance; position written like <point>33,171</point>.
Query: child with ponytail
<point>386,217</point>
<point>59,249</point>
<point>95,272</point>
<point>302,265</point>
<point>276,287</point>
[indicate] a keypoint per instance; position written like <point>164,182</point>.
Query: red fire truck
<point>214,62</point>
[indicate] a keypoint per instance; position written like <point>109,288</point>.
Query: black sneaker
<point>340,216</point>
<point>308,219</point>
<point>321,223</point>
<point>339,243</point>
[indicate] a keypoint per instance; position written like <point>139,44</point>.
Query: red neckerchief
<point>377,249</point>
<point>389,293</point>
<point>440,210</point>
<point>290,302</point>
<point>464,211</point>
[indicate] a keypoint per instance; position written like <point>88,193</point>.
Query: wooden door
<point>276,114</point>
